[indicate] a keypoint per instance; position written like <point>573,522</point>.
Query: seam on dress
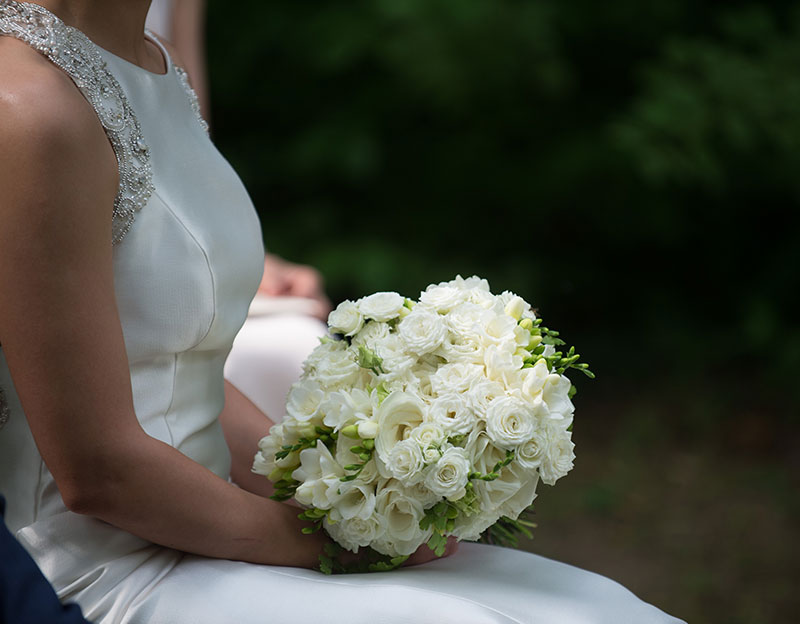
<point>210,272</point>
<point>172,399</point>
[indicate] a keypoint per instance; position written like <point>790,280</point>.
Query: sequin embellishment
<point>79,58</point>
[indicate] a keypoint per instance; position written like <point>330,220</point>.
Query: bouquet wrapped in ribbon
<point>421,420</point>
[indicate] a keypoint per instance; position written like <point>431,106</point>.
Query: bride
<point>129,252</point>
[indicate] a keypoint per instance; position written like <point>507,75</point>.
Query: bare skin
<point>60,327</point>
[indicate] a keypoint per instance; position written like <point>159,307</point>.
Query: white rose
<point>371,333</point>
<point>381,306</point>
<point>480,395</point>
<point>332,364</point>
<point>397,416</point>
<point>304,400</point>
<point>354,533</point>
<point>530,453</point>
<point>420,492</point>
<point>467,319</point>
<point>455,378</point>
<point>448,477</point>
<point>320,477</point>
<point>406,462</point>
<point>346,319</point>
<point>396,360</point>
<point>559,458</point>
<point>470,284</point>
<point>453,414</point>
<point>509,422</point>
<point>442,298</point>
<point>458,349</point>
<point>428,434</point>
<point>422,331</point>
<point>346,407</point>
<point>401,515</point>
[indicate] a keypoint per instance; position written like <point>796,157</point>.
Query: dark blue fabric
<point>26,597</point>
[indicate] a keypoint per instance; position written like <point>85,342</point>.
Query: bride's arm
<point>244,425</point>
<point>63,341</point>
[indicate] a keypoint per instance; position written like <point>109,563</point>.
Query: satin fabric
<point>184,277</point>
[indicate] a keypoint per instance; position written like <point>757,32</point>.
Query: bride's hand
<point>424,554</point>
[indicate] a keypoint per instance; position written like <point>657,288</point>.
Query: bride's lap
<point>479,584</point>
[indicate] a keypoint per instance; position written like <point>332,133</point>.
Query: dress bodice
<point>187,261</point>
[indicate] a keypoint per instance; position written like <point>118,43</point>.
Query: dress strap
<point>79,58</point>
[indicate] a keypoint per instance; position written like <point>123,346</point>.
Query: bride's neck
<point>116,25</point>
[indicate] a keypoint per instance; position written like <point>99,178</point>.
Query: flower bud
<point>515,307</point>
<point>351,431</point>
<point>367,429</point>
<point>526,323</point>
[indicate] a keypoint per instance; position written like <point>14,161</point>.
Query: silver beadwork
<point>79,58</point>
<point>184,78</point>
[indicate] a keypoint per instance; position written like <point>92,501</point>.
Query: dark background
<point>632,168</point>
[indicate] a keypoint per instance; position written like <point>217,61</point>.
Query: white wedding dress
<point>187,260</point>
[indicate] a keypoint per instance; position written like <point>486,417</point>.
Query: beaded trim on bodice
<point>79,58</point>
<point>190,93</point>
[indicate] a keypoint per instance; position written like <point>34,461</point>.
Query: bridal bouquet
<point>421,420</point>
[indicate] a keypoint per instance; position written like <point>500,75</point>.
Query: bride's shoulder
<point>40,102</point>
<point>52,140</point>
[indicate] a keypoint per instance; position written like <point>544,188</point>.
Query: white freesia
<point>367,429</point>
<point>320,477</point>
<point>346,319</point>
<point>422,331</point>
<point>381,306</point>
<point>304,400</point>
<point>533,380</point>
<point>449,476</point>
<point>268,446</point>
<point>509,422</point>
<point>555,394</point>
<point>357,501</point>
<point>346,407</point>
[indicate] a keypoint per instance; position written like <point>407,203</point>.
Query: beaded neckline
<point>80,59</point>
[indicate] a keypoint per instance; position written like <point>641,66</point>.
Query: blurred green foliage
<point>631,168</point>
